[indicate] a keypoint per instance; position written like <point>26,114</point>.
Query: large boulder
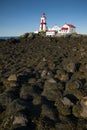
<point>76,88</point>
<point>68,125</point>
<point>12,77</point>
<point>6,98</point>
<point>63,106</point>
<point>67,101</point>
<point>48,112</point>
<point>17,105</point>
<point>20,119</point>
<point>26,92</point>
<point>69,65</point>
<point>62,75</point>
<point>84,107</point>
<point>80,109</point>
<point>51,91</point>
<point>73,85</point>
<point>11,81</point>
<point>24,35</point>
<point>37,99</point>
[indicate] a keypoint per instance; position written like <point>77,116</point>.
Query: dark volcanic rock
<point>43,83</point>
<point>26,92</point>
<point>17,105</point>
<point>51,91</point>
<point>65,126</point>
<point>63,107</point>
<point>6,98</point>
<point>62,75</point>
<point>73,85</point>
<point>84,107</point>
<point>69,66</point>
<point>37,100</point>
<point>48,112</point>
<point>20,119</point>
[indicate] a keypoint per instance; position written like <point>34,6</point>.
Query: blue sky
<point>20,16</point>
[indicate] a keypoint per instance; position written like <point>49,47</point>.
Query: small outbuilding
<point>51,33</point>
<point>67,28</point>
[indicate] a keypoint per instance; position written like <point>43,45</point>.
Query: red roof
<point>63,28</point>
<point>70,25</point>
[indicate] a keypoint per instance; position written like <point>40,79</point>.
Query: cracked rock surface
<point>43,83</point>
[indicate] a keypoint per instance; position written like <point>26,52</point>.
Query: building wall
<point>43,19</point>
<point>72,30</point>
<point>56,28</point>
<point>43,25</point>
<point>69,30</point>
<point>50,33</point>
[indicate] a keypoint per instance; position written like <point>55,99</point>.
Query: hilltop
<point>43,83</point>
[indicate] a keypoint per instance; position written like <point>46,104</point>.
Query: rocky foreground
<point>43,83</point>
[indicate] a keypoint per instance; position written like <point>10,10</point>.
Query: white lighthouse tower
<point>43,24</point>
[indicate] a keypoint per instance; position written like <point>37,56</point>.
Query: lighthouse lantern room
<point>43,24</point>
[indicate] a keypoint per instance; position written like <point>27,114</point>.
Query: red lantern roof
<point>43,15</point>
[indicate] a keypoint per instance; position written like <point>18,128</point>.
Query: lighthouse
<point>43,24</point>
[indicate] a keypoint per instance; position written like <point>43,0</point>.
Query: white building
<point>56,28</point>
<point>67,29</point>
<point>52,31</point>
<point>43,24</point>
